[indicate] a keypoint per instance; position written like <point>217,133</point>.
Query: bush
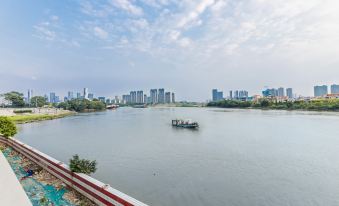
<point>22,111</point>
<point>82,165</point>
<point>7,127</point>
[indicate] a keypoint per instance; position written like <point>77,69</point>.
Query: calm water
<point>237,157</point>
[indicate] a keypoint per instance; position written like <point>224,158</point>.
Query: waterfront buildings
<point>52,97</point>
<point>70,95</point>
<point>140,97</point>
<point>90,96</point>
<point>85,93</point>
<point>281,92</point>
<point>334,89</point>
<point>289,93</point>
<point>103,99</point>
<point>29,95</point>
<point>217,95</point>
<point>161,96</point>
<point>173,97</point>
<point>154,96</point>
<point>133,95</point>
<point>145,99</point>
<point>320,91</point>
<point>126,98</point>
<point>168,97</point>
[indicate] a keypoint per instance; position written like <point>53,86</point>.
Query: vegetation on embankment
<point>7,127</point>
<point>20,119</point>
<point>82,105</point>
<point>312,105</point>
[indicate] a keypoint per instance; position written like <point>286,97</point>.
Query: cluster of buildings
<point>236,95</point>
<point>280,92</point>
<point>322,91</point>
<point>156,96</point>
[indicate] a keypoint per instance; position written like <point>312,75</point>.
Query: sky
<point>185,46</point>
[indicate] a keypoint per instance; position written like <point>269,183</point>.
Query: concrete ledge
<point>11,191</point>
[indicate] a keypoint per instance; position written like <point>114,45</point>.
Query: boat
<point>112,106</point>
<point>185,123</point>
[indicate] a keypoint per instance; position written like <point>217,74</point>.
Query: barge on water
<point>184,123</point>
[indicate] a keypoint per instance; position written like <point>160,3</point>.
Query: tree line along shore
<point>311,105</point>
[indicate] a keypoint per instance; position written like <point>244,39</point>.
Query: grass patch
<point>20,119</point>
<point>22,111</point>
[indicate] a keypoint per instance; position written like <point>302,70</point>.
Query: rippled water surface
<point>236,157</point>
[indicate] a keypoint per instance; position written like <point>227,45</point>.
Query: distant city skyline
<point>186,46</point>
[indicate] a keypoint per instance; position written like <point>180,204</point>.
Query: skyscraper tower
<point>85,93</point>
<point>161,96</point>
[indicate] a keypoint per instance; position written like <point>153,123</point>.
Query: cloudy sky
<point>187,46</point>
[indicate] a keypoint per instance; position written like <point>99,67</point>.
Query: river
<point>236,157</point>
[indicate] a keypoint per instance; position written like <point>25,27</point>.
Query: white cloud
<point>43,31</point>
<point>127,6</point>
<point>99,32</point>
<point>194,15</point>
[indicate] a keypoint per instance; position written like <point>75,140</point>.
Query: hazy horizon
<point>188,47</point>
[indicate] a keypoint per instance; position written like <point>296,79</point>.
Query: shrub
<point>7,127</point>
<point>22,111</point>
<point>82,165</point>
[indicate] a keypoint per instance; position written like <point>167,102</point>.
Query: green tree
<point>38,101</point>
<point>264,103</point>
<point>16,98</point>
<point>7,127</point>
<point>82,165</point>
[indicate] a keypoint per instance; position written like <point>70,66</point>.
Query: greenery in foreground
<point>315,105</point>
<point>81,105</point>
<point>82,165</point>
<point>7,127</point>
<point>19,119</point>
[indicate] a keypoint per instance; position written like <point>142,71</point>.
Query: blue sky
<point>190,47</point>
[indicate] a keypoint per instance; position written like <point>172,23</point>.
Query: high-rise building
<point>168,97</point>
<point>173,97</point>
<point>90,96</point>
<point>103,99</point>
<point>217,95</point>
<point>133,95</point>
<point>161,96</point>
<point>154,96</point>
<point>52,97</point>
<point>85,93</point>
<point>70,95</point>
<point>145,98</point>
<point>236,94</point>
<point>270,92</point>
<point>46,97</point>
<point>56,99</point>
<point>243,94</point>
<point>78,95</point>
<point>281,92</point>
<point>231,94</point>
<point>126,98</point>
<point>29,96</point>
<point>140,97</point>
<point>320,90</point>
<point>289,93</point>
<point>334,89</point>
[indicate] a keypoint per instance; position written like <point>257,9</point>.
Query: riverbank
<point>321,105</point>
<point>35,114</point>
